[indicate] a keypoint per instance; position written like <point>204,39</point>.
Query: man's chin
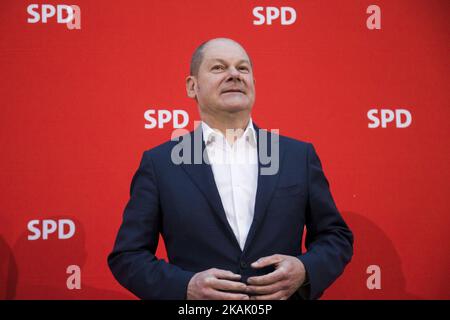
<point>235,105</point>
<point>232,108</point>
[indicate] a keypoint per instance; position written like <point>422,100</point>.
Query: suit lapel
<point>203,177</point>
<point>266,184</point>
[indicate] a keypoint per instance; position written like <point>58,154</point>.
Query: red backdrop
<point>73,127</point>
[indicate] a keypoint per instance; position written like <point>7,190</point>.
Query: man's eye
<point>217,67</point>
<point>243,68</point>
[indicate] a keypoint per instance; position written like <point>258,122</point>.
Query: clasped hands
<point>217,284</point>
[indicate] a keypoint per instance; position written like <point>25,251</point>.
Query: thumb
<point>266,261</point>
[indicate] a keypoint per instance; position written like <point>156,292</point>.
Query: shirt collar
<point>210,134</point>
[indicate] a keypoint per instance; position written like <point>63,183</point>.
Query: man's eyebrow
<point>224,62</point>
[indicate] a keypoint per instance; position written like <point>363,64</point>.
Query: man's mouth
<point>233,91</point>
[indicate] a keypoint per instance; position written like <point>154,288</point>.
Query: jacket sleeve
<point>329,241</point>
<point>133,261</point>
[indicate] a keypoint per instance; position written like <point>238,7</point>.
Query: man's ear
<point>191,83</point>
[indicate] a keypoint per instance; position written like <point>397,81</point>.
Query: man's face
<point>224,82</point>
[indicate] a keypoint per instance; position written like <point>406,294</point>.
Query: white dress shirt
<point>235,169</point>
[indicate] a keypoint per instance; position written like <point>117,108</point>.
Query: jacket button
<point>244,264</point>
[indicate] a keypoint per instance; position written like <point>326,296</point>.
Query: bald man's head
<point>199,53</point>
<point>221,80</point>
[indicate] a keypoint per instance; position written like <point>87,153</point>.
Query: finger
<point>268,279</point>
<point>219,295</point>
<point>225,274</point>
<point>267,261</point>
<point>264,290</point>
<point>228,285</point>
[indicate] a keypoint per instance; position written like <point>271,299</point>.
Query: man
<point>231,231</point>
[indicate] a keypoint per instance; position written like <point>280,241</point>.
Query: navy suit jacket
<point>181,202</point>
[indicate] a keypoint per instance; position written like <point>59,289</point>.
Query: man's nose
<point>234,74</point>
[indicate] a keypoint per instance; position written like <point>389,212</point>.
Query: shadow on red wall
<point>36,269</point>
<point>371,247</point>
